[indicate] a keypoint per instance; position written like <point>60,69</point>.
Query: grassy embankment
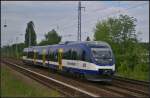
<point>137,73</point>
<point>15,85</point>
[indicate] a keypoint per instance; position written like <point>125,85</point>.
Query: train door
<point>44,56</point>
<point>60,54</point>
<point>35,56</point>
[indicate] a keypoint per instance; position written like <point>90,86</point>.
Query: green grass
<point>11,85</point>
<point>137,73</point>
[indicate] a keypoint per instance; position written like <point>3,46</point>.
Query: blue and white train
<point>92,59</point>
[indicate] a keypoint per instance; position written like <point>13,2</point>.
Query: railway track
<point>117,88</point>
<point>132,81</point>
<point>52,83</point>
<point>141,87</point>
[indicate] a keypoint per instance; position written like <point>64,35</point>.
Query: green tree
<point>102,31</point>
<point>120,33</point>
<point>51,38</point>
<point>30,36</point>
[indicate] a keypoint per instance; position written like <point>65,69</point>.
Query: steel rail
<point>132,81</point>
<point>130,88</point>
<point>66,86</point>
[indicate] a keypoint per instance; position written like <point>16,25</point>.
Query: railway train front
<point>102,66</point>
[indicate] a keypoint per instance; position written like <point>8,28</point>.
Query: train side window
<point>56,56</point>
<point>41,56</point>
<point>83,55</point>
<point>79,54</point>
<point>24,53</point>
<point>51,55</point>
<point>50,51</point>
<point>30,55</point>
<point>47,55</point>
<point>74,55</point>
<point>65,53</point>
<point>69,54</point>
<point>38,55</point>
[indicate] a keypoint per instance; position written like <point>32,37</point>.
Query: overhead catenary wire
<point>129,8</point>
<point>104,9</point>
<point>113,13</point>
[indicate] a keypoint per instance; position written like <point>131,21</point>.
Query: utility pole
<point>79,20</point>
<point>11,48</point>
<point>16,48</point>
<point>5,25</point>
<point>29,37</point>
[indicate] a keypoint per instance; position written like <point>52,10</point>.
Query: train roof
<point>88,43</point>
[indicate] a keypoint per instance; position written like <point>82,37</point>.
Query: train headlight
<point>96,59</point>
<point>110,59</point>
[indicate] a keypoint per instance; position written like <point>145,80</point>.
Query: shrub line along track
<point>118,87</point>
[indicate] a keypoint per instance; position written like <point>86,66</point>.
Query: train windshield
<point>102,55</point>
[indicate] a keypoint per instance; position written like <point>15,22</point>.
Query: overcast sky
<point>63,17</point>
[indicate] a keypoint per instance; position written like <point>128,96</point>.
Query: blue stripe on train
<point>74,70</point>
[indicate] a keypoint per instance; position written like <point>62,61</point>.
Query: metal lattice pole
<point>79,20</point>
